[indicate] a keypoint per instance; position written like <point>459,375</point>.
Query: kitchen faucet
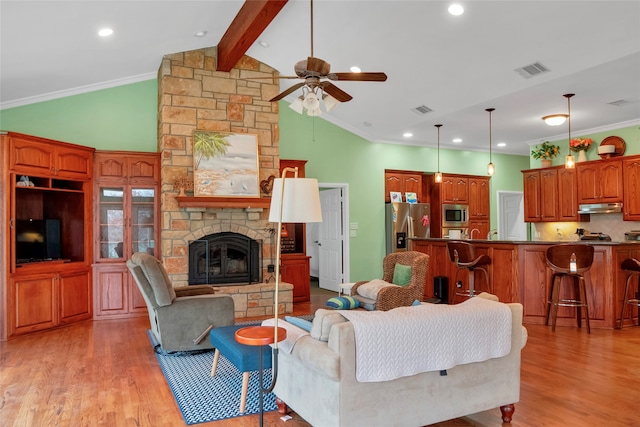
<point>491,234</point>
<point>471,234</point>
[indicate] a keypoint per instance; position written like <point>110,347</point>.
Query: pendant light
<point>438,173</point>
<point>569,161</point>
<point>491,169</point>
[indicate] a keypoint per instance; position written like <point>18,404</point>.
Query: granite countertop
<point>535,242</point>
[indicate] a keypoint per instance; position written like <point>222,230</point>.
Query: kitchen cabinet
<point>479,198</point>
<point>631,199</point>
<point>567,195</point>
<point>599,181</point>
<point>47,190</point>
<point>294,262</point>
<point>479,229</point>
<point>126,221</point>
<point>550,195</point>
<point>403,182</point>
<point>454,190</point>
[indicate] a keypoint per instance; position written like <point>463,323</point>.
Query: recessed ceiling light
<point>407,134</point>
<point>457,140</point>
<point>367,124</point>
<point>200,34</point>
<point>105,32</point>
<point>502,144</point>
<point>355,69</point>
<point>263,43</point>
<point>456,9</point>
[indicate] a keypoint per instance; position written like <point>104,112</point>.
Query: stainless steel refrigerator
<point>406,220</point>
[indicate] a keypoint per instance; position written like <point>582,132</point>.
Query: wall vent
<point>422,109</point>
<point>532,70</point>
<point>621,102</point>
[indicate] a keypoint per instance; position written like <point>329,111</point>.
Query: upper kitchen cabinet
<point>568,195</point>
<point>403,182</point>
<point>454,189</point>
<point>631,203</point>
<point>479,198</point>
<point>599,181</point>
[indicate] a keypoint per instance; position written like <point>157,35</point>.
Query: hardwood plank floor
<point>105,374</point>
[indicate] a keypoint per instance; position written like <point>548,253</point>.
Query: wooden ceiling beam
<point>249,23</point>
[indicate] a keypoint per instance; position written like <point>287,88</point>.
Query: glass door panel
<point>111,236</point>
<point>143,220</point>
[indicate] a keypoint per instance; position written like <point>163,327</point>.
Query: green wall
<point>119,118</point>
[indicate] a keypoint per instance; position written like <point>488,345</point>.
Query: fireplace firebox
<point>225,258</point>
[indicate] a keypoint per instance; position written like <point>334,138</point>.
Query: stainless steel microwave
<point>455,215</point>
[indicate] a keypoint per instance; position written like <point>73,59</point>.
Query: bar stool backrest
<point>461,252</point>
<point>559,258</point>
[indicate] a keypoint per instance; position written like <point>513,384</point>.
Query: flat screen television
<point>37,240</point>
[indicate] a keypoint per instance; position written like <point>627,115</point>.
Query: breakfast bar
<point>519,273</point>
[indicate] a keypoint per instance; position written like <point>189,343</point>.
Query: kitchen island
<point>520,274</point>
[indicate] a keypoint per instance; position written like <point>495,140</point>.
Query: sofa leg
<point>283,409</point>
<point>507,412</point>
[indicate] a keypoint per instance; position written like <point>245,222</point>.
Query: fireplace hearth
<point>225,258</point>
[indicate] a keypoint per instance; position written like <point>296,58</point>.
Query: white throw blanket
<point>294,333</point>
<point>429,337</point>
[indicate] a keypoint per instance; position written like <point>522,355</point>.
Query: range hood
<point>600,208</point>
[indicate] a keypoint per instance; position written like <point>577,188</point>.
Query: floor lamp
<point>293,200</point>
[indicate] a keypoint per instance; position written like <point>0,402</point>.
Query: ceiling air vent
<point>532,70</point>
<point>620,102</point>
<point>423,109</point>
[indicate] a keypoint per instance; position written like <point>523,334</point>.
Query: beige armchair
<point>398,296</point>
<point>180,317</point>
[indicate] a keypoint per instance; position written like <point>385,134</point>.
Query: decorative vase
<point>546,163</point>
<point>582,157</point>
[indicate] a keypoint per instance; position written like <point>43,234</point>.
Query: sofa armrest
<point>186,291</point>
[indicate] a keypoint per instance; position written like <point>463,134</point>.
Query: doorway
<point>511,225</point>
<point>328,241</point>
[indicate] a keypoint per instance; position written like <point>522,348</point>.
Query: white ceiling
<point>457,66</point>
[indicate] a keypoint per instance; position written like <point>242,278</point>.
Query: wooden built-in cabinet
<point>294,266</point>
<point>631,191</point>
<point>126,216</point>
<point>479,207</point>
<point>599,181</point>
<point>403,182</point>
<point>550,195</point>
<point>454,189</point>
<point>46,239</point>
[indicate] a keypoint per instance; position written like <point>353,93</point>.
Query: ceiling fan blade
<point>360,77</point>
<point>287,92</point>
<point>272,77</point>
<point>336,92</point>
<point>318,65</point>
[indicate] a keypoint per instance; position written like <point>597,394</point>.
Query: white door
<point>511,225</point>
<point>330,240</point>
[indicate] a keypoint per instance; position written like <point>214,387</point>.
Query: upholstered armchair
<point>180,317</point>
<point>389,297</point>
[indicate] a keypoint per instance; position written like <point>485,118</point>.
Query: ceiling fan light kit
<point>555,119</point>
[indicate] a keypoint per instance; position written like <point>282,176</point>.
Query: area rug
<point>203,398</point>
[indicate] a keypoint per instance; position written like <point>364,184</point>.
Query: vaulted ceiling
<point>456,66</point>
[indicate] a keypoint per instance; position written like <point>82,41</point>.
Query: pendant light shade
<point>438,177</point>
<point>491,168</point>
<point>569,161</point>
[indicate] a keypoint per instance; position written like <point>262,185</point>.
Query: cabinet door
<point>588,185</point>
<point>611,182</point>
<point>31,157</point>
<point>144,169</point>
<point>599,182</point>
<point>532,196</point>
<point>412,183</point>
<point>479,198</point>
<point>143,220</point>
<point>479,229</point>
<point>75,296</point>
<point>567,195</point>
<point>294,269</point>
<point>549,194</point>
<point>110,290</point>
<point>455,189</point>
<point>110,223</point>
<point>110,168</point>
<point>392,182</point>
<point>71,163</point>
<point>34,304</point>
<point>631,203</point>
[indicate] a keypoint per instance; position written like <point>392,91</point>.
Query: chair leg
<point>216,356</point>
<point>624,300</point>
<point>557,279</point>
<point>583,299</point>
<point>243,395</point>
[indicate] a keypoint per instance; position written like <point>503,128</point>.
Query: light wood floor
<point>106,374</point>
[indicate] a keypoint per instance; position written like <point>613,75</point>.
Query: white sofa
<point>317,379</point>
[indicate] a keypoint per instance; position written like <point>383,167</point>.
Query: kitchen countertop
<point>535,242</point>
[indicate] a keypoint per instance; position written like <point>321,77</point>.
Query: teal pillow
<point>401,275</point>
<point>416,302</point>
<point>343,303</point>
<point>300,323</point>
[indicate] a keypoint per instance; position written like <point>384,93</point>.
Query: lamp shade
<point>301,200</point>
<point>555,119</point>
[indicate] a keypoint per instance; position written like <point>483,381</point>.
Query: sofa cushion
<point>343,303</point>
<point>370,289</point>
<point>322,323</point>
<point>401,275</point>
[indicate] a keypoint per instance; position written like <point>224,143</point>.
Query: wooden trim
<point>223,202</point>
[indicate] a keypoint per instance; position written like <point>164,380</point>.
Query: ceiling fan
<point>317,77</point>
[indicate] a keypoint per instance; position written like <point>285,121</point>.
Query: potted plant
<point>545,152</point>
<point>580,145</point>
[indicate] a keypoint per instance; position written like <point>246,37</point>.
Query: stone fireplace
<point>192,95</point>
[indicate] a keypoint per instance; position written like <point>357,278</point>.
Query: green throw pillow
<point>401,275</point>
<point>343,303</point>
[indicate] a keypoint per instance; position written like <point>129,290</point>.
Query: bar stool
<point>632,266</point>
<point>463,255</point>
<point>559,261</point>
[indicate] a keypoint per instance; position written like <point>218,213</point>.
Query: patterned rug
<point>203,398</point>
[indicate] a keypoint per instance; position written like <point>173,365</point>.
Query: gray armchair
<point>179,316</point>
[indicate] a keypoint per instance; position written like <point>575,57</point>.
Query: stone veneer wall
<point>194,96</point>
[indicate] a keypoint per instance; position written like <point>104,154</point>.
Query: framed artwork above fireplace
<point>225,164</point>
